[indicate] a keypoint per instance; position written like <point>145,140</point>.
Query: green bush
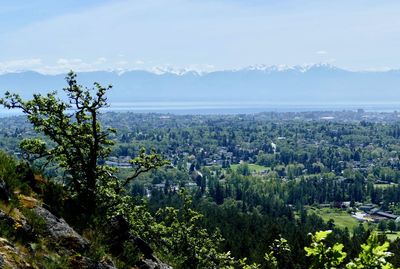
<point>17,176</point>
<point>6,230</point>
<point>37,222</point>
<point>8,171</point>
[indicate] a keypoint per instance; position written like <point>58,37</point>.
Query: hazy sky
<point>55,36</point>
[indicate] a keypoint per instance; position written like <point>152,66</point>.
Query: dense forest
<point>267,190</point>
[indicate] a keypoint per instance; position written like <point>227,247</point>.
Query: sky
<point>55,36</point>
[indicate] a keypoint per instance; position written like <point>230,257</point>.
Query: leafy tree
<point>322,255</point>
<point>382,225</point>
<point>243,264</point>
<point>79,140</point>
<point>279,255</point>
<point>185,243</point>
<point>243,169</point>
<point>391,225</point>
<point>373,255</point>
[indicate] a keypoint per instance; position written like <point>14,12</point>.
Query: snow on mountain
<point>281,84</point>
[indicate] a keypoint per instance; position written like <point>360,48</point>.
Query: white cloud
<point>19,65</point>
<point>63,65</point>
<point>121,63</point>
<point>100,60</point>
<point>184,32</point>
<point>69,62</point>
<point>139,62</point>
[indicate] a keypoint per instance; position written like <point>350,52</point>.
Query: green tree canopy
<point>79,140</point>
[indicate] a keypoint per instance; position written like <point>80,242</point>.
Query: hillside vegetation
<point>93,216</point>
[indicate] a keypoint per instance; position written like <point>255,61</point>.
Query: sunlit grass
<point>253,167</point>
<point>341,218</point>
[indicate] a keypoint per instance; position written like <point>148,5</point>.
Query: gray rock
<point>60,231</point>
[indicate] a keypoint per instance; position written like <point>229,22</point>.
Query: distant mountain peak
<point>161,70</point>
<point>283,67</point>
<point>200,71</point>
<point>165,70</point>
<point>314,83</point>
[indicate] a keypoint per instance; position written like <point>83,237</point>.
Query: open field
<point>342,218</point>
<point>391,236</point>
<point>384,186</point>
<point>253,167</point>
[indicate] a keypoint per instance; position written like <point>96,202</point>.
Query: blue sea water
<point>230,107</point>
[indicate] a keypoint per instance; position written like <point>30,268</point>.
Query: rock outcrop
<point>60,232</point>
<point>32,221</point>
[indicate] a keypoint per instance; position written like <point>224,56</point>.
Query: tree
<point>372,255</point>
<point>391,225</point>
<point>79,140</point>
<point>382,225</point>
<point>279,255</point>
<point>322,255</point>
<point>185,243</point>
<point>243,169</point>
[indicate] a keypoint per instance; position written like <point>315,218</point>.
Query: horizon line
<point>167,69</point>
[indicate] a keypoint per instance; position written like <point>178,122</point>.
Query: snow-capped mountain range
<point>307,84</point>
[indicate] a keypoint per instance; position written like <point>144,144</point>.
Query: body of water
<point>230,107</point>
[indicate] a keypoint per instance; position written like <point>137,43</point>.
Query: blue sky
<point>55,36</point>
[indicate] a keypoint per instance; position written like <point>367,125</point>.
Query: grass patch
<point>384,186</point>
<point>253,167</point>
<point>341,217</point>
<point>391,236</point>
